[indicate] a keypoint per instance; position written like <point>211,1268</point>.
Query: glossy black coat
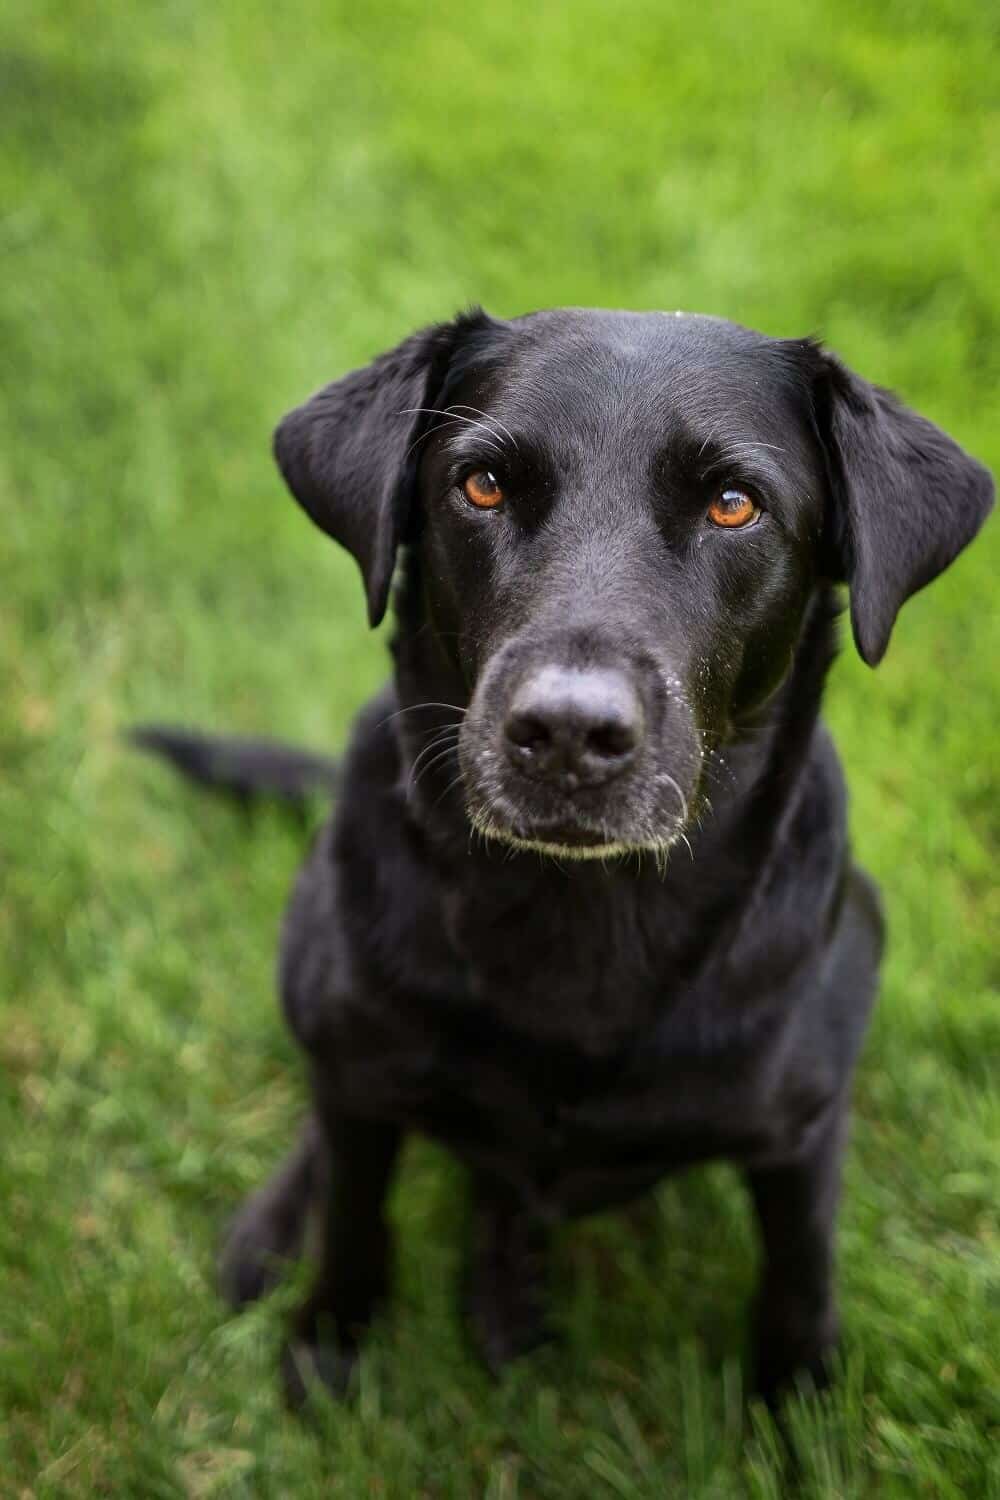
<point>575,1029</point>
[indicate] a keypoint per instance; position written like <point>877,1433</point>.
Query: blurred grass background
<point>205,212</point>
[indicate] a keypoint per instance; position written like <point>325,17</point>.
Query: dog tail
<point>244,768</point>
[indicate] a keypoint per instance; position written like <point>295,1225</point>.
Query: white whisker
<point>461,405</point>
<point>665,776</point>
<point>453,414</point>
<point>428,767</point>
<point>412,709</point>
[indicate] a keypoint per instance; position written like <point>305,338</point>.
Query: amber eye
<point>482,489</point>
<point>733,508</point>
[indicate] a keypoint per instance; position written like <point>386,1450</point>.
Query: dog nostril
<point>527,731</point>
<point>613,740</point>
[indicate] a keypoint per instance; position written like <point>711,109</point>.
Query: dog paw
<point>256,1252</point>
<point>785,1365</point>
<point>499,1340</point>
<point>311,1368</point>
<point>506,1317</point>
<point>505,1296</point>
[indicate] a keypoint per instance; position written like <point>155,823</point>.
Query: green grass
<point>206,211</point>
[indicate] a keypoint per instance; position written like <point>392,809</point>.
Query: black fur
<point>242,767</point>
<point>680,964</point>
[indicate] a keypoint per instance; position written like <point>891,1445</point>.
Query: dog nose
<point>574,727</point>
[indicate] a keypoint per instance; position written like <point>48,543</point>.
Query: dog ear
<point>344,452</point>
<point>905,500</point>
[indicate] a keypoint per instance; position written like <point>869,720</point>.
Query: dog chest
<point>570,1134</point>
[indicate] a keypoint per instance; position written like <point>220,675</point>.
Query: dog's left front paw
<point>786,1360</point>
<point>311,1367</point>
<point>506,1328</point>
<point>506,1297</point>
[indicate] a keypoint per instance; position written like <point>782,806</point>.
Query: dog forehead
<point>682,372</point>
<point>628,330</point>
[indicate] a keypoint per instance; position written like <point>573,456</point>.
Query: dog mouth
<point>561,836</point>
<point>560,840</point>
<point>558,843</point>
<point>561,833</point>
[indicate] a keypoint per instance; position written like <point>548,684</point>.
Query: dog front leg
<point>506,1300</point>
<point>795,1324</point>
<point>354,1254</point>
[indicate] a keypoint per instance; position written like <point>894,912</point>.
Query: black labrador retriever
<point>586,910</point>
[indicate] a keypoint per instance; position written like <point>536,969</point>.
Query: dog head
<point>621,519</point>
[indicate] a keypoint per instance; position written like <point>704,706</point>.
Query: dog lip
<point>567,837</point>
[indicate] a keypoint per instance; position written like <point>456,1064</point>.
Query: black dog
<point>586,911</point>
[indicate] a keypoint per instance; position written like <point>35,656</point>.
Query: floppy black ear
<point>343,453</point>
<point>906,500</point>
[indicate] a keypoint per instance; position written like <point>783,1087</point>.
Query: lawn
<point>205,212</point>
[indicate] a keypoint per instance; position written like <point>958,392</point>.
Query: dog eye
<point>733,508</point>
<point>482,489</point>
